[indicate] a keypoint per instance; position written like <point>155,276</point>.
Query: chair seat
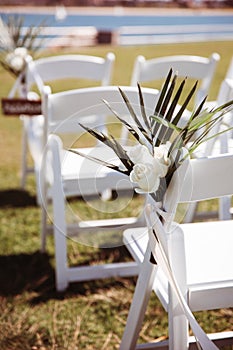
<point>92,178</point>
<point>208,258</point>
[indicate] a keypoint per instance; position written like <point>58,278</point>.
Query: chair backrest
<point>208,178</point>
<point>92,68</point>
<point>200,179</point>
<point>44,71</point>
<point>196,67</point>
<point>65,110</point>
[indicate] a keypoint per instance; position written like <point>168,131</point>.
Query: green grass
<point>88,315</point>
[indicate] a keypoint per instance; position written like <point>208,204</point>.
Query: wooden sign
<point>19,106</point>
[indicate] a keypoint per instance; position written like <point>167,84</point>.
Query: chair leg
<point>43,229</point>
<point>178,325</point>
<point>61,260</point>
<point>24,159</point>
<point>177,320</point>
<point>224,208</point>
<point>140,300</point>
<point>60,243</point>
<point>190,214</point>
<point>43,202</point>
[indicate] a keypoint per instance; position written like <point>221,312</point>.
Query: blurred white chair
<point>150,72</point>
<point>77,69</point>
<point>193,67</point>
<point>229,74</point>
<point>198,254</point>
<point>63,173</point>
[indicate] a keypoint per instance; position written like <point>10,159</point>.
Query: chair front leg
<point>140,301</point>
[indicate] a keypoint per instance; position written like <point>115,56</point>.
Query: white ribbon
<point>157,207</point>
<point>16,86</point>
<point>158,249</point>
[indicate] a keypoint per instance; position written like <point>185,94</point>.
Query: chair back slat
<point>54,68</point>
<point>196,67</point>
<point>208,178</point>
<point>67,109</point>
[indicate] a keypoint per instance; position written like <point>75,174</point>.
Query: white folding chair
<point>199,255</point>
<point>193,67</point>
<point>64,173</point>
<point>150,72</point>
<point>86,70</point>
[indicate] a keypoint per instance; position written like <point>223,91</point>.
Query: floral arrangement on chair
<point>17,42</point>
<point>160,141</point>
<point>162,146</point>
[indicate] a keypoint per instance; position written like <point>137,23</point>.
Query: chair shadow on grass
<point>16,198</point>
<point>33,273</point>
<point>26,273</point>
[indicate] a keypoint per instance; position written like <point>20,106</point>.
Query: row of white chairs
<point>58,107</point>
<point>98,71</point>
<point>61,174</point>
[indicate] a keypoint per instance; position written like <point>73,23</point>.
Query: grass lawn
<point>88,315</point>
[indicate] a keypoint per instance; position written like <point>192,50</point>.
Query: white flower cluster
<point>16,59</point>
<point>148,168</point>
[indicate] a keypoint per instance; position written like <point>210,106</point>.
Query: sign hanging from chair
<point>19,106</point>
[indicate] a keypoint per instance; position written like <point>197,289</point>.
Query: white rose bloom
<point>17,63</point>
<point>21,51</point>
<point>140,154</point>
<point>16,59</point>
<point>148,169</point>
<point>146,177</point>
<point>161,158</point>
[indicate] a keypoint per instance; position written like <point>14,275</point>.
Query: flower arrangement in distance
<point>160,141</point>
<point>16,42</point>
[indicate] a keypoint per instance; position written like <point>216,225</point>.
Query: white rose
<point>148,169</point>
<point>161,158</point>
<point>140,154</point>
<point>146,177</point>
<point>17,63</point>
<point>16,59</point>
<point>21,52</point>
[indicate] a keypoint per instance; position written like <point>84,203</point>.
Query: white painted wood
<point>196,67</point>
<point>203,249</point>
<point>222,144</point>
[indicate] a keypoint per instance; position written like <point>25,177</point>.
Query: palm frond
<point>98,135</point>
<point>142,105</point>
<point>99,161</point>
<point>164,135</point>
<point>113,144</point>
<point>122,154</point>
<point>163,92</point>
<point>133,115</point>
<point>164,106</point>
<point>166,123</point>
<point>195,145</point>
<point>130,128</point>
